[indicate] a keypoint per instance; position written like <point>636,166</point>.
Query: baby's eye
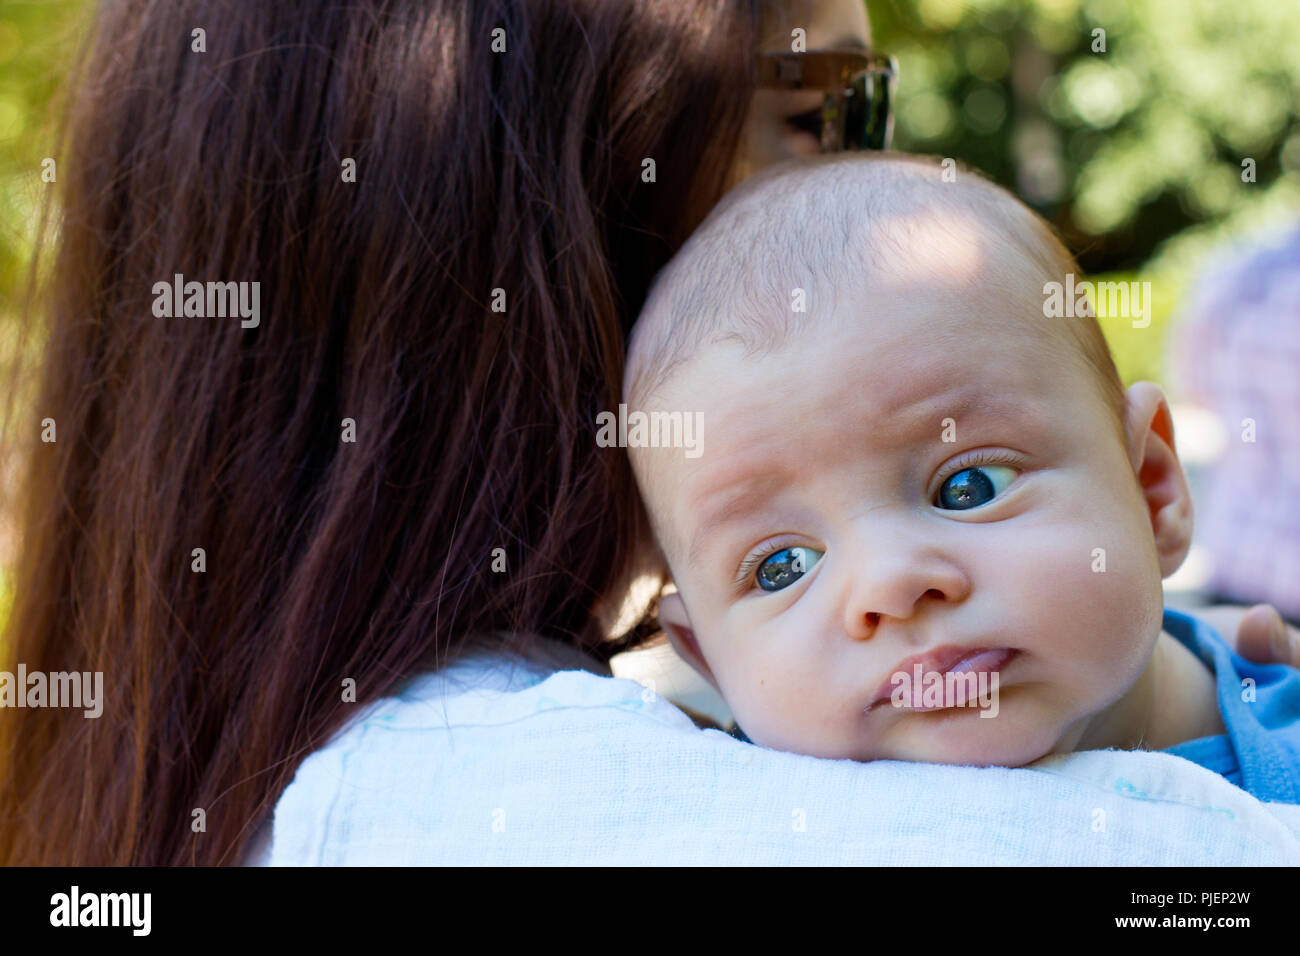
<point>972,487</point>
<point>785,567</point>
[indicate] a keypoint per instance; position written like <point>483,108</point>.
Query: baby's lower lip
<point>988,661</point>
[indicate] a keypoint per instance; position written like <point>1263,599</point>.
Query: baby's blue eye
<point>972,487</point>
<point>787,566</point>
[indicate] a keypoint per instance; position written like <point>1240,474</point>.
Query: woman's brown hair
<point>324,559</point>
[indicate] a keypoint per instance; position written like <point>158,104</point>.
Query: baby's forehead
<point>787,244</point>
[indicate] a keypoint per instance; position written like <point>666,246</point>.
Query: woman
<point>254,528</point>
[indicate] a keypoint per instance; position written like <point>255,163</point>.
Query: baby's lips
<point>941,660</point>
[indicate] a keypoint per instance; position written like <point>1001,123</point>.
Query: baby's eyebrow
<point>921,413</point>
<point>741,499</point>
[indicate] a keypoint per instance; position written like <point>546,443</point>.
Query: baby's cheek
<point>775,689</point>
<point>1089,593</point>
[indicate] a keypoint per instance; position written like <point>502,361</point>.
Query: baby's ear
<point>677,625</point>
<point>1163,484</point>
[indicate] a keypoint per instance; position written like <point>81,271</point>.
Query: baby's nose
<point>897,587</point>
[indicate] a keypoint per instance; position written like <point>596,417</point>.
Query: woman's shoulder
<point>408,753</point>
<point>502,761</point>
<point>492,690</point>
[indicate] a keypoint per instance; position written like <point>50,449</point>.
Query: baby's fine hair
<point>820,225</point>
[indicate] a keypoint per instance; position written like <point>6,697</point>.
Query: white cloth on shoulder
<point>502,762</point>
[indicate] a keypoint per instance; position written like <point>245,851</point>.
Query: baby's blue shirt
<point>1261,751</point>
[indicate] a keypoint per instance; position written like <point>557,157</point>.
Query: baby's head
<point>906,462</point>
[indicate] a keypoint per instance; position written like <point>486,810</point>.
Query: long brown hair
<point>325,558</point>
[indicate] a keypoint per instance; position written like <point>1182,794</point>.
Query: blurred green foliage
<point>1133,150</point>
<point>37,40</point>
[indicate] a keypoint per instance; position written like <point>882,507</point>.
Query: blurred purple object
<point>1237,351</point>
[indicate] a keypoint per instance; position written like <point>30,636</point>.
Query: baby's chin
<point>1021,732</point>
<point>970,741</point>
<point>1024,728</point>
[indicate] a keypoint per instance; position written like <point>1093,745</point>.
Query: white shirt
<point>499,762</point>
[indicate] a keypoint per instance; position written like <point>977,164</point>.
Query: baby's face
<point>909,543</point>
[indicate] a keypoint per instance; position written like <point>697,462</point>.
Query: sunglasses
<point>856,113</point>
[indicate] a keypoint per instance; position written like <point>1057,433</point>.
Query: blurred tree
<point>1126,123</point>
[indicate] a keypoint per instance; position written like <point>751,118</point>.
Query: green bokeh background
<point>38,38</point>
<point>1135,153</point>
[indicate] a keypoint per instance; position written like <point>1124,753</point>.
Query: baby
<point>919,500</point>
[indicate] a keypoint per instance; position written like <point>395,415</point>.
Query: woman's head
<point>776,128</point>
<point>452,228</point>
